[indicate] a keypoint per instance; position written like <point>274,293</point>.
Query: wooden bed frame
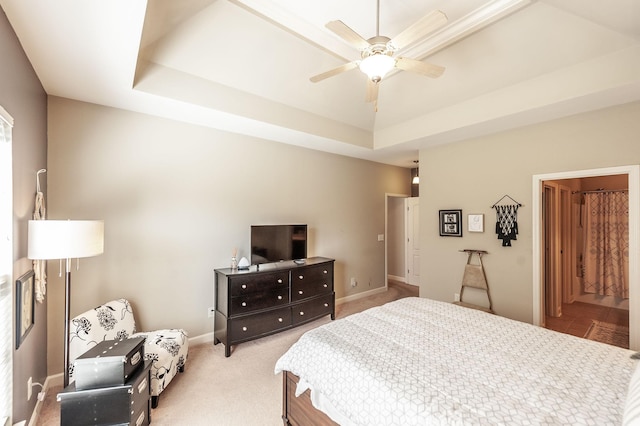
<point>299,411</point>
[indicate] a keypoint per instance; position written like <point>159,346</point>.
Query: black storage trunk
<point>128,404</point>
<point>109,363</point>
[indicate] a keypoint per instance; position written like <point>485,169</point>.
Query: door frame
<point>551,248</point>
<point>633,174</point>
<point>409,237</point>
<point>386,234</point>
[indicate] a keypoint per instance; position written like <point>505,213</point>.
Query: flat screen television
<point>277,243</point>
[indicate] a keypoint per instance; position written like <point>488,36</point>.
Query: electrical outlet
<point>210,312</point>
<point>456,297</point>
<point>29,386</point>
<point>353,282</point>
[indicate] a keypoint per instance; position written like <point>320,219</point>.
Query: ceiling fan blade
<point>372,91</point>
<point>348,35</point>
<point>428,23</point>
<point>342,68</point>
<point>424,68</point>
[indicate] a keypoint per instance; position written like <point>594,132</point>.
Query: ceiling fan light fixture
<point>377,66</point>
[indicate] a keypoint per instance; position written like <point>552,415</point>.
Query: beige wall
<point>474,174</point>
<point>23,97</point>
<point>177,198</point>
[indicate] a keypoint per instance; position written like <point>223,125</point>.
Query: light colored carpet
<point>239,390</point>
<point>612,334</point>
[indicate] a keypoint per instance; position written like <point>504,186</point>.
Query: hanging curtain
<point>606,244</point>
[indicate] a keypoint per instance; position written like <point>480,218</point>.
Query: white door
<point>412,207</point>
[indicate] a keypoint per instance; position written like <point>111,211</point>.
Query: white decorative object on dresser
<point>271,297</point>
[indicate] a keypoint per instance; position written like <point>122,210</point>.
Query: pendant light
<point>416,178</point>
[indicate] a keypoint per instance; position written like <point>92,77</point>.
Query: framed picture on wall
<point>451,223</point>
<point>475,222</point>
<point>25,308</point>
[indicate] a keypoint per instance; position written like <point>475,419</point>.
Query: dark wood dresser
<point>269,298</point>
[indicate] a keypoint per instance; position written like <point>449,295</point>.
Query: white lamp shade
<point>65,239</point>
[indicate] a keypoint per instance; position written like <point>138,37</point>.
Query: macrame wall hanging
<point>506,220</point>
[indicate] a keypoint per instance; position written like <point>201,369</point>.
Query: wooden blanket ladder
<point>475,278</point>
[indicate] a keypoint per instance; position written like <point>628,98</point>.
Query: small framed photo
<point>451,223</point>
<point>25,308</point>
<point>475,222</point>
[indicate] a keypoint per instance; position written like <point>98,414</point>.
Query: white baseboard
<point>203,338</point>
<point>51,381</point>
<point>360,295</point>
<point>396,278</point>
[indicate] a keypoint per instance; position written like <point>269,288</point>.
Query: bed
<point>417,361</point>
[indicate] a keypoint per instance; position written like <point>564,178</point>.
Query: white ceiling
<point>244,65</point>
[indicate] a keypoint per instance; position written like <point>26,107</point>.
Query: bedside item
<point>65,239</point>
<point>125,404</point>
<point>234,258</point>
<point>109,363</point>
<point>256,303</point>
<point>243,264</point>
<point>167,349</point>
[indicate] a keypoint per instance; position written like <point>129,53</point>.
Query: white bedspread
<point>417,361</point>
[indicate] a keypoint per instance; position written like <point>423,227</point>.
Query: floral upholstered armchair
<point>167,349</point>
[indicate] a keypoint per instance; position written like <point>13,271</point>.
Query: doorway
<point>542,188</point>
<point>570,306</point>
<point>402,242</point>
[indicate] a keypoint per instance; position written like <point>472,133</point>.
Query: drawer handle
<point>279,297</point>
<point>142,386</point>
<point>301,277</point>
<point>136,358</point>
<point>279,280</point>
<point>140,419</point>
<point>244,286</point>
<point>300,292</point>
<point>324,285</point>
<point>301,313</point>
<point>279,319</point>
<point>326,305</point>
<point>244,303</point>
<point>244,328</point>
<point>325,271</point>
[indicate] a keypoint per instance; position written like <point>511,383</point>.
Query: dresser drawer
<point>257,283</point>
<point>311,309</point>
<point>262,300</point>
<point>312,281</point>
<point>250,326</point>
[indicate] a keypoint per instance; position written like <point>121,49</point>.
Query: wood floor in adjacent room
<point>577,317</point>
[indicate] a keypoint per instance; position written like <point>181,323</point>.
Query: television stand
<point>250,304</point>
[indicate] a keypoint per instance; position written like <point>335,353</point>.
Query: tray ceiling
<point>244,65</point>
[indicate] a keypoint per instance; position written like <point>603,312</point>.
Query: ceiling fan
<point>377,52</point>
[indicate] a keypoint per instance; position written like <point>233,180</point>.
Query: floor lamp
<point>65,239</point>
